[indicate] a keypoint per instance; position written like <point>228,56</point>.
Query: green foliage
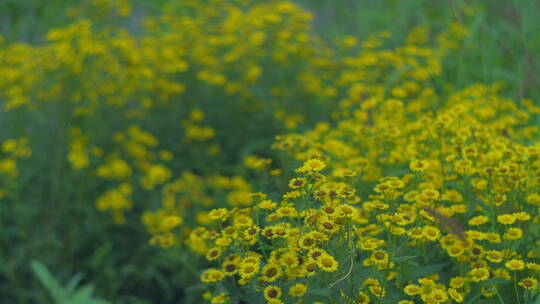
<point>71,293</point>
<point>503,45</point>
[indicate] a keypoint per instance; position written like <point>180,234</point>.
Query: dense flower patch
<point>300,170</point>
<point>394,204</point>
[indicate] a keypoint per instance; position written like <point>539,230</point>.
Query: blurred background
<point>74,228</point>
<point>503,33</point>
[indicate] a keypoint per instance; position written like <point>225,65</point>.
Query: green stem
<point>515,288</point>
<point>499,295</point>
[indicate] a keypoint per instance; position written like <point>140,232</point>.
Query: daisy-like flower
<point>267,205</point>
<point>296,183</point>
<point>478,220</point>
<point>513,233</point>
<point>479,274</point>
<point>220,298</point>
<point>515,264</point>
<point>521,216</point>
<point>214,253</point>
<point>377,290</point>
<point>230,267</point>
<point>212,275</point>
<point>438,296</point>
<point>298,290</point>
<point>327,263</point>
<point>218,214</point>
<point>529,283</point>
<point>455,295</point>
<point>457,282</point>
<point>431,233</point>
<point>506,219</point>
<point>412,289</point>
<point>272,293</point>
<point>248,270</point>
<point>494,256</point>
<point>362,298</point>
<point>418,165</point>
<point>271,272</point>
<point>311,166</point>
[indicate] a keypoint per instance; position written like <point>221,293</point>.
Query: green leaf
<point>494,281</point>
<point>57,292</point>
<point>474,298</point>
<point>69,295</point>
<point>325,292</point>
<point>82,294</point>
<point>73,282</point>
<point>423,271</point>
<point>404,258</point>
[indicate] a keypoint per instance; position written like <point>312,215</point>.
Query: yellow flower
<point>515,264</point>
<point>494,256</point>
<point>275,172</point>
<point>267,205</point>
<point>478,220</point>
<point>306,241</point>
<point>298,290</point>
<point>455,295</point>
<point>248,270</point>
<point>513,233</point>
<point>287,212</point>
<point>362,298</point>
<point>218,214</point>
<point>438,296</point>
<point>377,290</point>
<point>328,226</point>
<point>220,298</point>
<point>457,282</point>
<point>506,219</point>
<point>212,275</point>
<point>418,165</point>
<point>501,273</point>
<point>297,183</point>
<point>309,267</point>
<point>223,242</point>
<point>327,263</point>
<point>431,233</point>
<point>214,253</point>
<point>379,257</point>
<point>289,259</point>
<point>479,274</point>
<point>533,267</point>
<point>412,289</point>
<point>311,166</point>
<point>492,237</point>
<point>455,251</point>
<point>230,267</point>
<point>529,283</point>
<point>521,216</point>
<point>270,272</point>
<point>272,293</point>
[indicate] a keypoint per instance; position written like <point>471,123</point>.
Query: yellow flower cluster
<point>453,190</point>
<point>409,195</point>
<point>185,202</point>
<point>10,151</point>
<point>404,189</point>
<point>106,86</point>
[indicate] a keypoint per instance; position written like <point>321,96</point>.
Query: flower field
<point>245,151</point>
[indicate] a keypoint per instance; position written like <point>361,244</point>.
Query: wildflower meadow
<point>247,151</point>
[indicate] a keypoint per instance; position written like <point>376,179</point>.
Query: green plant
<point>71,293</point>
